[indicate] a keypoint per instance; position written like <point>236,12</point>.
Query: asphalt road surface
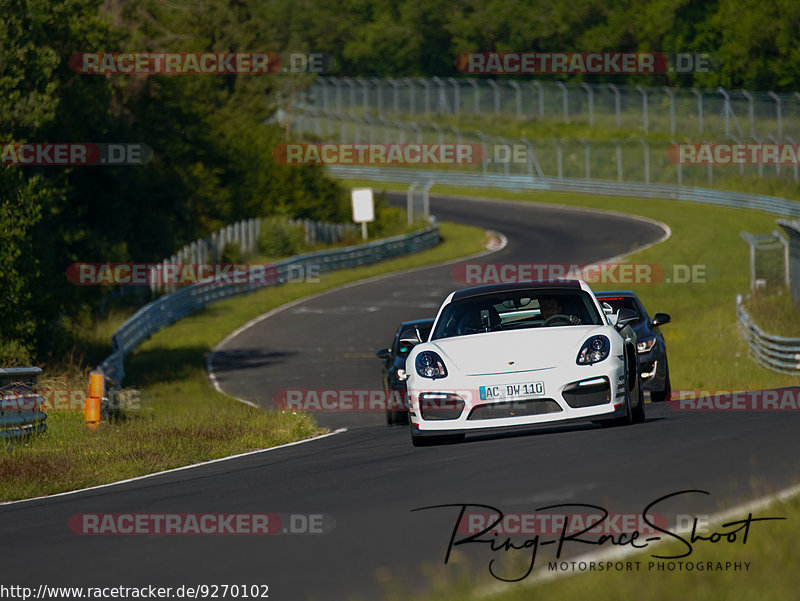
<point>367,480</point>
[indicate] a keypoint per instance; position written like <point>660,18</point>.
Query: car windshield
<point>623,302</point>
<point>516,310</point>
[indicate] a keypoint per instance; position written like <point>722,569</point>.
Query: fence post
<point>699,96</point>
<point>516,87</point>
<point>671,95</point>
<point>642,91</point>
<point>590,95</point>
<point>778,112</point>
<point>477,95</point>
<point>395,97</point>
<point>456,95</point>
<point>410,202</point>
<point>750,111</point>
<point>496,90</point>
<point>617,102</point>
<point>564,100</point>
<point>540,95</point>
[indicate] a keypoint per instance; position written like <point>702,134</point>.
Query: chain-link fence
<point>670,111</point>
<point>627,160</point>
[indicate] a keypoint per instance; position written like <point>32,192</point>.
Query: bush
<point>232,253</point>
<point>279,238</point>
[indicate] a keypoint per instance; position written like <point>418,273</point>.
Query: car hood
<point>514,351</point>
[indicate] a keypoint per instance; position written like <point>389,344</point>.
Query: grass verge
<point>183,420</point>
<point>768,576</point>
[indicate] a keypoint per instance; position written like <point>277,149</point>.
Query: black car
<point>651,346</point>
<point>394,358</point>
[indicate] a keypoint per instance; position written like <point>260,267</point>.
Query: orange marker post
<point>91,408</point>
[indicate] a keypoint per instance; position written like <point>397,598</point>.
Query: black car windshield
<point>623,302</point>
<point>516,310</point>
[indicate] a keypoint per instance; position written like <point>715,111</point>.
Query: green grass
<point>775,313</point>
<point>183,420</point>
<point>771,575</point>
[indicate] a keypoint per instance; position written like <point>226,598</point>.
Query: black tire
<point>659,396</point>
<point>638,411</point>
<point>632,415</point>
<point>401,417</point>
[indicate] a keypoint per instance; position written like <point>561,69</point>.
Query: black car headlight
<point>430,365</point>
<point>594,350</point>
<point>646,345</point>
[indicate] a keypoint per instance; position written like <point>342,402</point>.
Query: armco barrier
<point>20,404</point>
<point>185,301</point>
<point>770,351</point>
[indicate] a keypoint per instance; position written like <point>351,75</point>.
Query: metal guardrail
<point>185,301</point>
<point>20,405</point>
<point>768,350</point>
<point>724,198</point>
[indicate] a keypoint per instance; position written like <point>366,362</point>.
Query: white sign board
<point>363,205</point>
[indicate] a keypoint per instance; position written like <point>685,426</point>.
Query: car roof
<point>605,293</point>
<point>416,322</point>
<point>493,288</point>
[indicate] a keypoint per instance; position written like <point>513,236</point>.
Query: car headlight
<point>646,345</point>
<point>430,365</point>
<point>594,350</point>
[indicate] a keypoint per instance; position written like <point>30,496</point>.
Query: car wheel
<point>630,416</point>
<point>401,417</point>
<point>638,411</point>
<point>659,396</point>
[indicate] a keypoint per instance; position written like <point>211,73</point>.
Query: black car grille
<point>440,406</point>
<point>514,409</point>
<point>578,396</point>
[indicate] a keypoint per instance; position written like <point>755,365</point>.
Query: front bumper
<point>589,393</point>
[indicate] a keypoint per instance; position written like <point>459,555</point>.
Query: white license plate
<point>511,391</point>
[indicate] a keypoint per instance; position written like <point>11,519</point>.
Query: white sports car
<point>519,354</point>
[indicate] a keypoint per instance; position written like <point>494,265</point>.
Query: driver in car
<point>550,307</point>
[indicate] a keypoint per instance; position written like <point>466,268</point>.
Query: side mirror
<point>384,354</point>
<point>409,342</point>
<point>624,317</point>
<point>659,319</point>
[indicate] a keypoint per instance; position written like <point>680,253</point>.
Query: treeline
<point>213,151</point>
<point>755,43</point>
<point>212,162</point>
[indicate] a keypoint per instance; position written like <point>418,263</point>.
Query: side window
<point>404,349</point>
